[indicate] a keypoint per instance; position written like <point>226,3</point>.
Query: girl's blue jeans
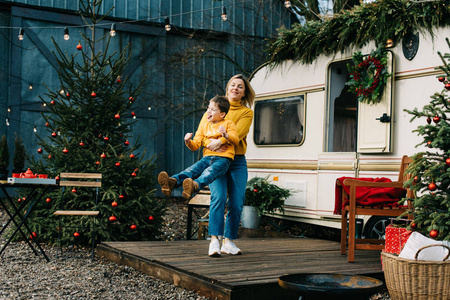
<point>205,171</point>
<point>234,181</point>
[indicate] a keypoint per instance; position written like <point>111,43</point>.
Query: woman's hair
<point>249,95</point>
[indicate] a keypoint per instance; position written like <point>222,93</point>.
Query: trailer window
<point>279,121</point>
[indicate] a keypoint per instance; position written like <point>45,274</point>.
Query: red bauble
<point>447,85</point>
<point>40,150</point>
<point>126,143</point>
<point>49,156</point>
<point>54,134</point>
<point>33,235</point>
<point>436,119</point>
<point>79,47</point>
<point>97,162</point>
<point>48,200</point>
<point>67,95</point>
<point>434,233</point>
<point>447,161</point>
<point>103,155</point>
<point>255,190</point>
<point>76,234</point>
<point>151,218</point>
<point>133,174</point>
<point>131,155</point>
<point>114,204</point>
<point>112,218</point>
<point>57,178</point>
<point>432,186</point>
<point>93,95</point>
<point>74,190</point>
<point>47,124</point>
<point>117,116</point>
<point>19,200</point>
<point>119,80</point>
<point>133,114</point>
<point>133,227</point>
<point>131,99</point>
<point>416,179</point>
<point>121,196</point>
<point>429,120</point>
<point>118,164</point>
<point>65,151</point>
<point>81,144</point>
<point>429,144</point>
<point>106,138</point>
<point>52,102</point>
<point>413,225</point>
<point>441,79</point>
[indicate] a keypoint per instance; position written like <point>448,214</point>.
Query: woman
<point>241,95</point>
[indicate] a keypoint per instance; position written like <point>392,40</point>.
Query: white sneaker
<point>229,247</point>
<point>214,248</point>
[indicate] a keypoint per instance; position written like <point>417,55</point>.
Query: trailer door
<point>374,120</point>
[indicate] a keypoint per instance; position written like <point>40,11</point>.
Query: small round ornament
<point>447,86</point>
<point>114,204</point>
<point>121,196</point>
<point>436,119</point>
<point>52,102</point>
<point>441,79</point>
<point>127,143</point>
<point>434,234</point>
<point>81,144</point>
<point>151,219</point>
<point>65,151</point>
<point>133,227</point>
<point>97,162</point>
<point>413,225</point>
<point>118,164</point>
<point>103,155</point>
<point>48,200</point>
<point>93,95</point>
<point>40,150</point>
<point>131,155</point>
<point>54,134</point>
<point>117,116</point>
<point>74,190</point>
<point>79,47</point>
<point>429,120</point>
<point>112,218</point>
<point>432,186</point>
<point>76,234</point>
<point>133,174</point>
<point>447,161</point>
<point>106,138</point>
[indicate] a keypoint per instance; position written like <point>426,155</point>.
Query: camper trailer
<point>308,130</point>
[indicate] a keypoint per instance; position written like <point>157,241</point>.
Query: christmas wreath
<point>368,75</point>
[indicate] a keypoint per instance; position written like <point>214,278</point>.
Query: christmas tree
<point>430,169</point>
<point>88,124</point>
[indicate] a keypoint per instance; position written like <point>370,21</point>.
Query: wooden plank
<point>80,183</point>
<point>76,213</point>
<point>81,175</point>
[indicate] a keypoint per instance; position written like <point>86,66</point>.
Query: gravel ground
<point>74,276</point>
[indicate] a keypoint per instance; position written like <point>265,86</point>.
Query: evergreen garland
<point>377,21</point>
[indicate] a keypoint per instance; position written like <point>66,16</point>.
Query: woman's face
<point>236,90</point>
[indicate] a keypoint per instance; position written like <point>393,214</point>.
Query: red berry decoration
<point>429,120</point>
<point>432,186</point>
<point>103,155</point>
<point>112,219</point>
<point>413,225</point>
<point>47,124</point>
<point>79,47</point>
<point>106,138</point>
<point>434,233</point>
<point>133,174</point>
<point>49,156</point>
<point>76,234</point>
<point>33,235</point>
<point>133,227</point>
<point>117,116</point>
<point>126,143</point>
<point>255,190</point>
<point>118,164</point>
<point>436,119</point>
<point>429,144</point>
<point>151,219</point>
<point>416,179</point>
<point>441,79</point>
<point>131,99</point>
<point>19,200</point>
<point>131,155</point>
<point>447,86</point>
<point>81,144</point>
<point>121,196</point>
<point>54,134</point>
<point>93,95</point>
<point>133,114</point>
<point>48,200</point>
<point>40,150</point>
<point>67,94</point>
<point>74,190</point>
<point>57,178</point>
<point>114,204</point>
<point>447,161</point>
<point>97,162</point>
<point>52,102</point>
<point>65,151</point>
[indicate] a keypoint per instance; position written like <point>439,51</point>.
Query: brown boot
<point>189,187</point>
<point>167,183</point>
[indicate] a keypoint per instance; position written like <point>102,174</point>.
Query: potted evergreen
<point>4,158</point>
<point>19,156</point>
<point>261,197</point>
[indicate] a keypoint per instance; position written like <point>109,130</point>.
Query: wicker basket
<point>415,279</point>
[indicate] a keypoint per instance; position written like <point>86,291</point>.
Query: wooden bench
<point>201,200</point>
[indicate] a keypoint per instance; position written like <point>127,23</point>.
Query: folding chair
<point>79,180</point>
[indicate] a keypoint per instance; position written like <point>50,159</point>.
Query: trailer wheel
<point>376,227</point>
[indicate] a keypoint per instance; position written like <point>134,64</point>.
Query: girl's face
<point>236,90</point>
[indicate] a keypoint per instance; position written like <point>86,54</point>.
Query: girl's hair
<point>249,95</point>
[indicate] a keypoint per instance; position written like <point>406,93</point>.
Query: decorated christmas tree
<point>89,127</point>
<point>430,169</point>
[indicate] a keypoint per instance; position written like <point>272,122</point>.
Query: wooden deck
<point>253,275</point>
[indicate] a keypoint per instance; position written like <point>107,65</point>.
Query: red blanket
<point>368,196</point>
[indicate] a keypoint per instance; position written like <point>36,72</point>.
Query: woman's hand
<point>217,146</point>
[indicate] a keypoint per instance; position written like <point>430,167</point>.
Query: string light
<point>167,22</point>
<point>7,122</point>
<point>112,32</point>
<point>30,87</point>
<point>287,4</point>
<point>66,33</point>
<point>149,107</point>
<point>224,13</point>
<point>34,129</point>
<point>9,109</point>
<point>20,34</point>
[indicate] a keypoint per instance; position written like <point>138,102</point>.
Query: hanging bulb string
<point>109,23</point>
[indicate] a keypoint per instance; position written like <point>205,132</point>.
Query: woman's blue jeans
<point>205,171</point>
<point>234,181</point>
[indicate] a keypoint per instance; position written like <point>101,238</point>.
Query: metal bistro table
<point>38,187</point>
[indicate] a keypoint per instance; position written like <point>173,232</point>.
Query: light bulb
<point>167,22</point>
<point>66,33</point>
<point>7,122</point>
<point>224,14</point>
<point>20,34</point>
<point>287,4</point>
<point>34,129</point>
<point>112,32</point>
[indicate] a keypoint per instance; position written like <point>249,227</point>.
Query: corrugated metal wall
<point>184,67</point>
